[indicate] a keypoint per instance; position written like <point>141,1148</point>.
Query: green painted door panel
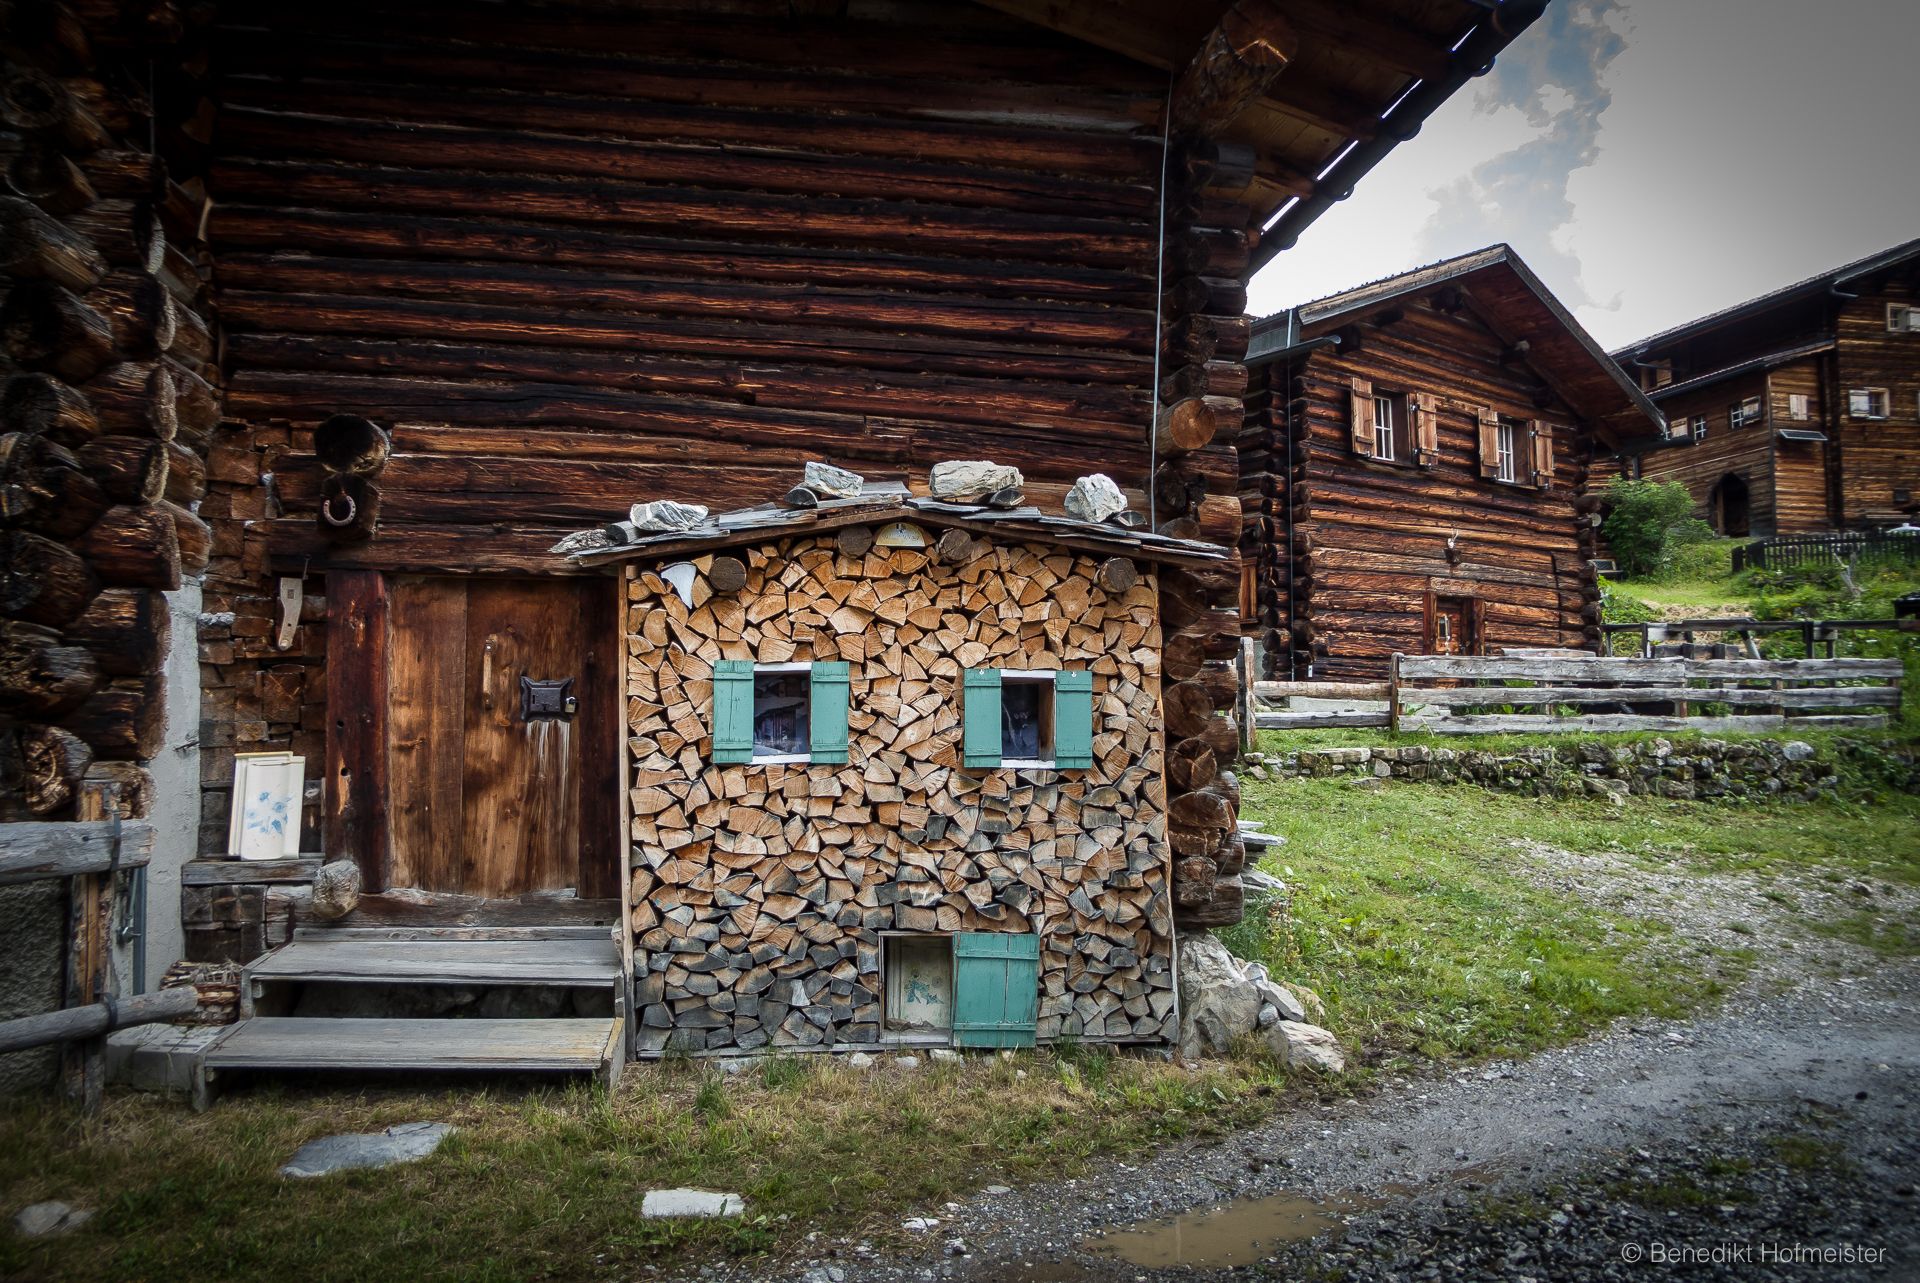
<point>1073,719</point>
<point>733,710</point>
<point>980,714</point>
<point>996,988</point>
<point>828,713</point>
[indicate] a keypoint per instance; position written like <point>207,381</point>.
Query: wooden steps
<point>376,1033</point>
<point>569,1045</point>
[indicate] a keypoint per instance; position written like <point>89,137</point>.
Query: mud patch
<point>1236,1234</point>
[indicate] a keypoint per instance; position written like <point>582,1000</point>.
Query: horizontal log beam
<point>91,1021</point>
<point>32,851</point>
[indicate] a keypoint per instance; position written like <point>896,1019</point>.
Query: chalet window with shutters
<point>1742,413</point>
<point>1390,427</point>
<point>769,714</point>
<point>1902,319</point>
<point>1033,719</point>
<point>1799,406</point>
<point>1867,403</point>
<point>1507,451</point>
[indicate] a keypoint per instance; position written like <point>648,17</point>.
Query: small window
<point>1507,455</point>
<point>1799,406</point>
<point>1902,319</point>
<point>1390,428</point>
<point>1026,719</point>
<point>782,712</point>
<point>1743,414</point>
<point>1699,430</point>
<point>1867,403</point>
<point>918,985</point>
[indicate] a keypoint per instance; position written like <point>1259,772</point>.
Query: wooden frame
<point>354,823</point>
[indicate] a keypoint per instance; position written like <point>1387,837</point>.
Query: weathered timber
<point>124,720</point>
<point>129,469</point>
<point>41,581</point>
<point>126,630</point>
<point>43,405</point>
<point>43,487</point>
<point>34,246</point>
<point>133,547</point>
<point>40,677</point>
<point>44,765</point>
<point>46,327</point>
<point>1237,62</point>
<point>72,1024</point>
<point>32,851</point>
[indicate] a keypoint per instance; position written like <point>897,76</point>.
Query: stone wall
<point>761,893</point>
<point>1702,769</point>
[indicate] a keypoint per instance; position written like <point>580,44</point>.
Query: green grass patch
<point>546,1184</point>
<point>1413,917</point>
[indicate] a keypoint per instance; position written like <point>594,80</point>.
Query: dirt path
<point>1780,1132</point>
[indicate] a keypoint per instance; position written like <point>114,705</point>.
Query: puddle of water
<point>1238,1233</point>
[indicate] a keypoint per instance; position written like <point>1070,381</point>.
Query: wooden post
<point>1393,694</point>
<point>89,961</point>
<point>1246,695</point>
<point>355,824</point>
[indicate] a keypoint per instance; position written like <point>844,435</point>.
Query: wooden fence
<point>1588,693</point>
<point>1783,551</point>
<point>1317,720</point>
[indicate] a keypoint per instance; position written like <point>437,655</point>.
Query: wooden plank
<point>1626,670</point>
<point>1815,697</point>
<point>355,821</point>
<point>207,872</point>
<point>286,1042</point>
<point>1320,690</point>
<point>426,732</point>
<point>522,802</point>
<point>1310,721</point>
<point>30,851</point>
<point>565,961</point>
<point>1533,723</point>
<point>601,728</point>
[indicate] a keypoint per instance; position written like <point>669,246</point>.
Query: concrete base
<point>159,1057</point>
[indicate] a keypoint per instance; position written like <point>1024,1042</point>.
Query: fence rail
<point>1783,551</point>
<point>1591,693</point>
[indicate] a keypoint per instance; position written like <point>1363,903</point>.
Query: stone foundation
<point>1696,770</point>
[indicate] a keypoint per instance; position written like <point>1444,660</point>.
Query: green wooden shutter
<point>980,738</point>
<point>733,710</point>
<point>996,988</point>
<point>827,729</point>
<point>1073,719</point>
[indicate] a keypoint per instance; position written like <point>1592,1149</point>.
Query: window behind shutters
<point>829,712</point>
<point>996,989</point>
<point>733,711</point>
<point>1360,418</point>
<point>980,718</point>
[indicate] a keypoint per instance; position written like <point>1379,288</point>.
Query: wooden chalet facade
<point>1413,465</point>
<point>1799,411</point>
<point>566,257</point>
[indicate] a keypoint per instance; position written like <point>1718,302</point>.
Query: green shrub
<point>1648,522</point>
<point>1708,560</point>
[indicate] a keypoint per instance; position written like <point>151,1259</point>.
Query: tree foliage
<point>1647,523</point>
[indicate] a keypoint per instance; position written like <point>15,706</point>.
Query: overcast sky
<point>1652,160</point>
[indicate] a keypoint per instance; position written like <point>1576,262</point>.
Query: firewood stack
<point>108,403</point>
<point>760,892</point>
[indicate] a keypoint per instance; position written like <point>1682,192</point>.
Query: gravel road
<point>1776,1138</point>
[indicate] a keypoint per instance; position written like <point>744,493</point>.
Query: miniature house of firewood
<point>896,774</point>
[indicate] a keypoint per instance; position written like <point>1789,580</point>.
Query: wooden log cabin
<point>1799,411</point>
<point>337,316</point>
<point>1413,466</point>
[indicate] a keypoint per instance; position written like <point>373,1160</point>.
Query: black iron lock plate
<point>547,698</point>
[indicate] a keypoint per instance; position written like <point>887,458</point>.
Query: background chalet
<point>1800,410</point>
<point>1412,462</point>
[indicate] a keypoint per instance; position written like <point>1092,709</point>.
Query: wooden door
<point>1451,627</point>
<point>484,800</point>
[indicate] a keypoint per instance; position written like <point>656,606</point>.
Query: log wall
<point>1879,460</point>
<point>1745,452</point>
<point>760,893</point>
<point>1351,549</point>
<point>572,260</point>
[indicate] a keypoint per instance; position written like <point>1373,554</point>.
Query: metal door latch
<point>547,698</point>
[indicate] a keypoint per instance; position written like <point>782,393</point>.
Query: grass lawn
<point>1408,916</point>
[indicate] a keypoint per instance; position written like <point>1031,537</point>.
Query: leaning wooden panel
<point>426,732</point>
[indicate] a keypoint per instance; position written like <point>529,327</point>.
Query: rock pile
<point>1223,999</point>
<point>1704,769</point>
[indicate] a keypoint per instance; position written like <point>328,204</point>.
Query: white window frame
<point>1029,676</point>
<point>1698,430</point>
<point>1874,396</point>
<point>1902,318</point>
<point>1506,452</point>
<point>1384,428</point>
<point>1799,406</point>
<point>785,759</point>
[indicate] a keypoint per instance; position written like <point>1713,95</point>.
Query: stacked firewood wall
<point>1195,486</point>
<point>109,401</point>
<point>760,893</point>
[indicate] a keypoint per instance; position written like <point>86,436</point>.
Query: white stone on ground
<point>1306,1047</point>
<point>668,1204</point>
<point>861,1060</point>
<point>37,1220</point>
<point>401,1143</point>
<point>919,1224</point>
<point>1095,498</point>
<point>907,1062</point>
<point>1217,1002</point>
<point>945,1056</point>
